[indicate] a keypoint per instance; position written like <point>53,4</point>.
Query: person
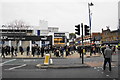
<point>62,51</point>
<point>57,53</point>
<point>21,50</point>
<point>3,51</point>
<point>12,51</point>
<point>28,49</point>
<point>79,51</point>
<point>94,50</point>
<point>8,49</point>
<point>42,51</point>
<point>107,57</point>
<point>113,49</point>
<point>16,51</point>
<point>33,50</point>
<point>38,51</point>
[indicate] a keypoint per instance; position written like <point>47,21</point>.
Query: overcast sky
<point>64,14</point>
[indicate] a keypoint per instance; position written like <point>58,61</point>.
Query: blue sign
<point>38,32</point>
<point>78,41</point>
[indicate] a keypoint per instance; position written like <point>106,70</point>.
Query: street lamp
<point>90,4</point>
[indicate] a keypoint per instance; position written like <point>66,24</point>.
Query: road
<point>25,68</point>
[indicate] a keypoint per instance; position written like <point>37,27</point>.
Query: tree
<point>16,24</point>
<point>72,36</point>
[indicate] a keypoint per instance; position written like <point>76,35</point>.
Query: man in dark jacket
<point>3,51</point>
<point>12,51</point>
<point>21,50</point>
<point>42,51</point>
<point>79,51</point>
<point>33,51</point>
<point>107,57</point>
<point>28,49</point>
<point>16,51</point>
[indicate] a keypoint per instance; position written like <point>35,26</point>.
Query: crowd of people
<point>58,51</point>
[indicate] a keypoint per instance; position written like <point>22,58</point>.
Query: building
<point>24,38</point>
<point>110,37</point>
<point>45,36</point>
<point>53,29</point>
<point>95,39</point>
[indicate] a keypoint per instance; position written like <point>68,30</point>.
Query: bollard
<point>46,60</point>
<point>51,61</point>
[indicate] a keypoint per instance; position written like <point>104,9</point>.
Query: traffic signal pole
<point>82,44</point>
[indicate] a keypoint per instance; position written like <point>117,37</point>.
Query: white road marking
<point>98,70</point>
<point>94,67</point>
<point>29,69</point>
<point>16,67</point>
<point>102,72</point>
<point>107,75</point>
<point>1,64</point>
<point>29,60</point>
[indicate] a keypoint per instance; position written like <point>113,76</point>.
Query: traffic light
<point>77,30</point>
<point>87,30</point>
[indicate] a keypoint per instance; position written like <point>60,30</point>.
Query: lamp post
<point>90,4</point>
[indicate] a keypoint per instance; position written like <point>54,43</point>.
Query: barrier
<point>46,60</point>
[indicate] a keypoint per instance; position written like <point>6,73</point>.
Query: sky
<point>64,14</point>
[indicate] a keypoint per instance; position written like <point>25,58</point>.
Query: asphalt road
<point>25,68</point>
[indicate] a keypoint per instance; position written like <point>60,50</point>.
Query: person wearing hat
<point>107,57</point>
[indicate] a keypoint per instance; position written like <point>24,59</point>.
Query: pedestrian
<point>113,49</point>
<point>94,50</point>
<point>12,51</point>
<point>28,49</point>
<point>16,51</point>
<point>57,53</point>
<point>8,49</point>
<point>33,51</point>
<point>79,51</point>
<point>42,51</point>
<point>107,57</point>
<point>62,51</point>
<point>38,51</point>
<point>21,50</point>
<point>3,51</point>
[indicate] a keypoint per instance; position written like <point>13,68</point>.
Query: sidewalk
<point>75,55</point>
<point>87,55</point>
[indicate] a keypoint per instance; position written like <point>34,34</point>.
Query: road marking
<point>1,64</point>
<point>16,67</point>
<point>29,60</point>
<point>102,72</point>
<point>98,70</point>
<point>28,70</point>
<point>94,67</point>
<point>107,75</point>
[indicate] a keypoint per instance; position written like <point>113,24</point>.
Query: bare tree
<point>17,24</point>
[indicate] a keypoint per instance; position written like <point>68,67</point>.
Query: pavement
<point>75,55</point>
